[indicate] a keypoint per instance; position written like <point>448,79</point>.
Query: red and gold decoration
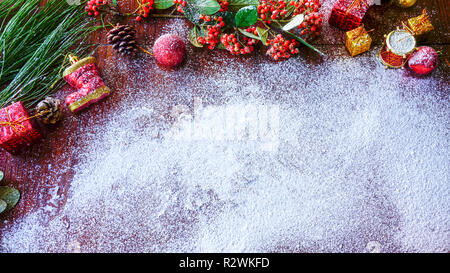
<point>84,76</point>
<point>405,3</point>
<point>397,48</point>
<point>357,40</point>
<point>18,129</point>
<point>421,24</point>
<point>348,14</point>
<point>423,60</point>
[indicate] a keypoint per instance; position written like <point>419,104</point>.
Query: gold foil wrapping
<point>420,24</point>
<point>357,41</point>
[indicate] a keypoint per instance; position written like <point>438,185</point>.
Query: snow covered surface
<point>345,157</point>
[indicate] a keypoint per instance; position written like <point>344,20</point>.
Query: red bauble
<point>423,60</point>
<point>169,50</point>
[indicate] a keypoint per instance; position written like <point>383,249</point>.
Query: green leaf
<point>246,16</point>
<point>3,206</point>
<point>248,34</point>
<point>296,21</point>
<point>1,175</point>
<point>163,4</point>
<point>195,8</point>
<point>114,2</point>
<point>263,34</point>
<point>193,35</point>
<point>228,17</point>
<point>10,195</point>
<point>235,5</point>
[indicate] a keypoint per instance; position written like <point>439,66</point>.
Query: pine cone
<point>49,110</point>
<point>123,39</point>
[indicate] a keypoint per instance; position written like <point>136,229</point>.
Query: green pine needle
<point>33,43</point>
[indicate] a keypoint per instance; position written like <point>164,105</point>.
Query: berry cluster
<point>146,7</point>
<point>214,31</point>
<point>282,48</point>
<point>270,10</point>
<point>277,10</point>
<point>223,5</point>
<point>93,5</point>
<point>180,4</point>
<point>235,46</point>
<point>312,25</point>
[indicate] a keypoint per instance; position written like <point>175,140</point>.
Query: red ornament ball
<point>169,50</point>
<point>423,60</point>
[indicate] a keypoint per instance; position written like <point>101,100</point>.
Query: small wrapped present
<point>421,24</point>
<point>348,14</point>
<point>17,128</point>
<point>357,40</point>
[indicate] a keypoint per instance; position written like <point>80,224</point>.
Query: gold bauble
<point>405,3</point>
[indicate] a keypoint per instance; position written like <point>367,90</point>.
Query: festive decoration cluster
<point>237,28</point>
<point>218,24</point>
<point>399,46</point>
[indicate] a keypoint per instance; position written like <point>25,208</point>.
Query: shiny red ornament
<point>423,60</point>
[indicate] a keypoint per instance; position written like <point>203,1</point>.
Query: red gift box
<point>348,14</point>
<point>17,129</point>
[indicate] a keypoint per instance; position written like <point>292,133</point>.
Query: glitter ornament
<point>84,75</point>
<point>423,60</point>
<point>405,3</point>
<point>169,50</point>
<point>398,46</point>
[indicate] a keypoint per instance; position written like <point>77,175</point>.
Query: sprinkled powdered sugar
<point>362,160</point>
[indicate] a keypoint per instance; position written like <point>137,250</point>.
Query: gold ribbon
<point>359,35</point>
<point>356,4</point>
<point>18,123</point>
<point>422,18</point>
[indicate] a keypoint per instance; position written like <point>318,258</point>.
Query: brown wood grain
<point>33,173</point>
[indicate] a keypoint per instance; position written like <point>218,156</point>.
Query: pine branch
<point>33,43</point>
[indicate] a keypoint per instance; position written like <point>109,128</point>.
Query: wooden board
<point>33,172</point>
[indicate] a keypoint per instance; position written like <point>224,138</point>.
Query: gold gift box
<point>420,24</point>
<point>357,40</point>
